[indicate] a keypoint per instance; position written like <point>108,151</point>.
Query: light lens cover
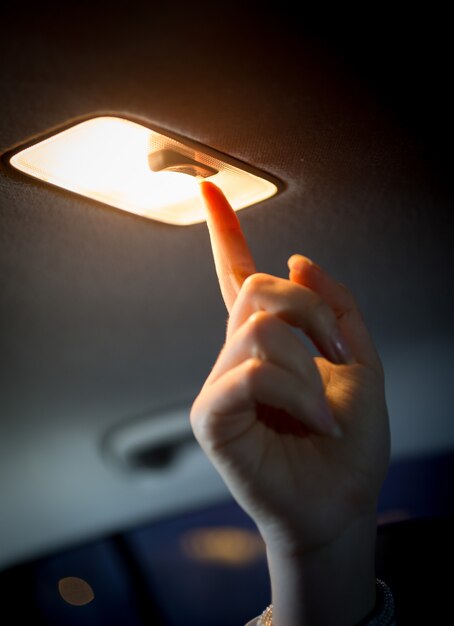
<point>106,158</point>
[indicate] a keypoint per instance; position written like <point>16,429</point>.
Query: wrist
<point>331,584</point>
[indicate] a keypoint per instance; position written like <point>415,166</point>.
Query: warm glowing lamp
<point>139,169</point>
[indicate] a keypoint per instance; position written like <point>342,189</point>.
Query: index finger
<point>232,257</point>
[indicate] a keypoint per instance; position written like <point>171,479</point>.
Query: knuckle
<point>259,324</point>
<point>255,282</point>
<point>193,413</point>
<point>254,368</point>
<point>197,418</point>
<point>256,318</point>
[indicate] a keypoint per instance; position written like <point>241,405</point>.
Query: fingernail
<point>298,262</point>
<point>295,260</point>
<point>341,350</point>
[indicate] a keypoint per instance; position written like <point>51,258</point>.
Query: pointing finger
<point>232,257</point>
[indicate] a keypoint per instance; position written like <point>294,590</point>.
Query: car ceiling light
<point>143,170</point>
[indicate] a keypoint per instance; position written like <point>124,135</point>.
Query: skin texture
<point>302,442</point>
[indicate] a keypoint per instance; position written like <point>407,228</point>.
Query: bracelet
<point>266,618</point>
<point>382,615</point>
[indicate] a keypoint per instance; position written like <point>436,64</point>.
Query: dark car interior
<point>110,514</point>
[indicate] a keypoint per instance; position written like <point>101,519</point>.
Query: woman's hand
<point>301,442</point>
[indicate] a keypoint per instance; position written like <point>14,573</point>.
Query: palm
<point>318,482</point>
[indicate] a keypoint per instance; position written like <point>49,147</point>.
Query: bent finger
<point>253,382</point>
<point>298,306</point>
<point>305,272</point>
<point>268,338</point>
